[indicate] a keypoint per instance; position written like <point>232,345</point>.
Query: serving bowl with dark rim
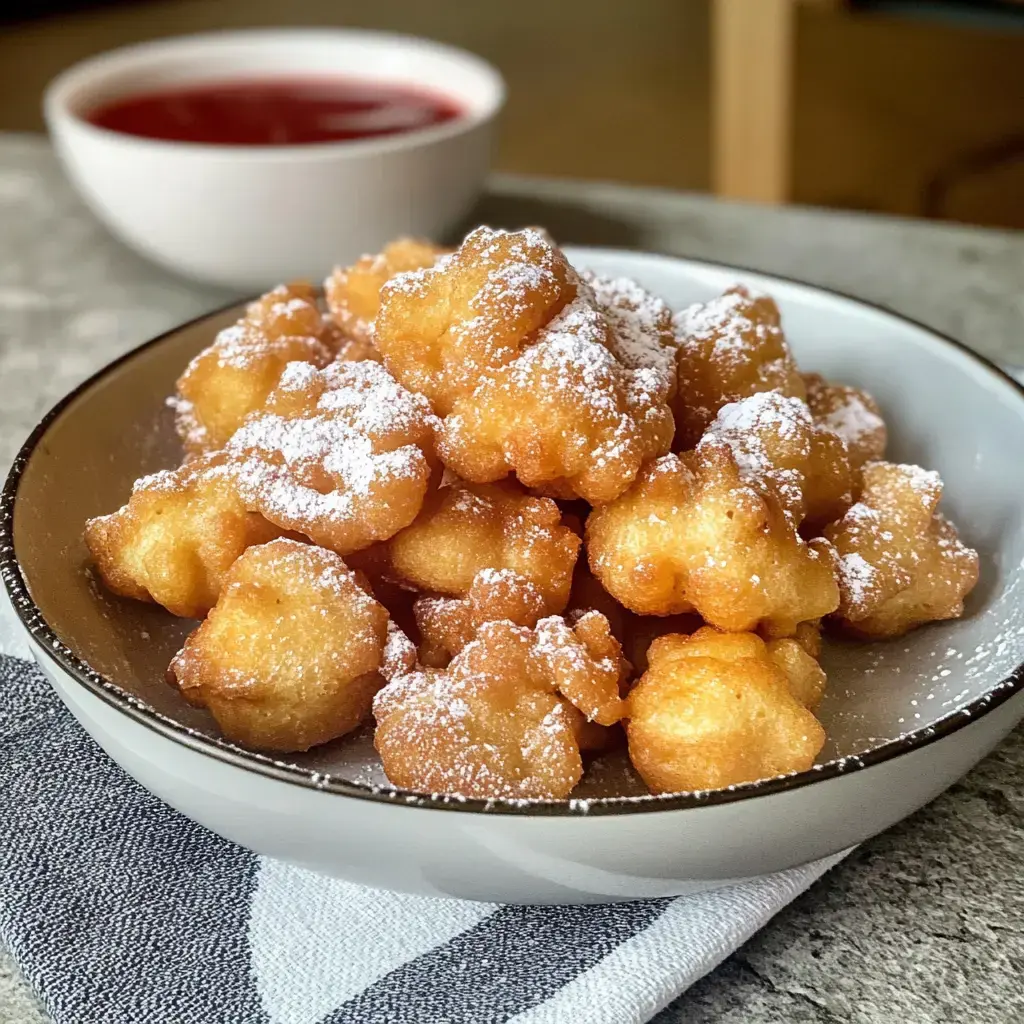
<point>905,718</point>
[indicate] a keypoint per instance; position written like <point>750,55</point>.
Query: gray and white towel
<point>121,911</point>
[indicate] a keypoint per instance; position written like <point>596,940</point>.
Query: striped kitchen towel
<point>121,911</point>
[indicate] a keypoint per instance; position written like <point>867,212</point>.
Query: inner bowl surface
<point>946,409</point>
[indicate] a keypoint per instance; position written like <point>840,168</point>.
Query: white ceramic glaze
<point>597,858</point>
<point>905,719</point>
<point>253,216</point>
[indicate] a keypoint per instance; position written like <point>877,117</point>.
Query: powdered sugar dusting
<point>329,465</point>
<point>752,427</point>
<point>726,322</point>
<point>858,579</point>
<point>526,265</point>
<point>925,482</point>
<point>364,394</point>
<point>510,286</point>
<point>575,361</point>
<point>852,419</point>
<point>399,656</point>
<point>342,452</point>
<point>641,324</point>
<point>475,728</point>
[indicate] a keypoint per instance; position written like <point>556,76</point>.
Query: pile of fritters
<point>522,514</point>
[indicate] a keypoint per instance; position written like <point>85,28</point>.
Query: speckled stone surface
<point>923,924</point>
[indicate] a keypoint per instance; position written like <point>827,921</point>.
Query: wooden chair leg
<point>752,98</point>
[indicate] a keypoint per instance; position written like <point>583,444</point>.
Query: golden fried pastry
<point>290,655</point>
<point>465,528</point>
<point>714,710</point>
<point>582,656</point>
<point>806,678</point>
<point>400,656</point>
<point>641,331</point>
<point>691,535</point>
<point>566,415</point>
<point>442,327</point>
<point>779,447</point>
<point>287,311</point>
<point>447,624</point>
<point>233,376</point>
<point>522,368</point>
<point>342,455</point>
<point>852,414</point>
<point>584,663</point>
<point>453,733</point>
<point>177,537</point>
<point>489,725</point>
<point>353,293</point>
<point>355,350</point>
<point>901,562</point>
<point>729,348</point>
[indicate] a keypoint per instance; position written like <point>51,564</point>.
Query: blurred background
<point>910,108</point>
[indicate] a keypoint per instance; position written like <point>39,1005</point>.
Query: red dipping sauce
<point>275,112</point>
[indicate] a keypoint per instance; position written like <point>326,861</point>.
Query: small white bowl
<point>250,216</point>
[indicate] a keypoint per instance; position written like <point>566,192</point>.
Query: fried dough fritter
<point>354,350</point>
<point>442,327</point>
<point>503,339</point>
<point>901,563</point>
<point>641,332</point>
<point>714,710</point>
<point>289,657</point>
<point>806,678</point>
<point>452,732</point>
<point>447,624</point>
<point>584,663</point>
<point>176,538</point>
<point>343,455</point>
<point>634,632</point>
<point>233,376</point>
<point>729,348</point>
<point>778,446</point>
<point>287,311</point>
<point>691,535</point>
<point>582,656</point>
<point>491,724</point>
<point>353,293</point>
<point>466,528</point>
<point>565,415</point>
<point>852,414</point>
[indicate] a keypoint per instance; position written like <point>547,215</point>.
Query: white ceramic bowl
<point>253,216</point>
<point>905,719</point>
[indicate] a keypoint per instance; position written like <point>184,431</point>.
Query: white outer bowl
<point>902,727</point>
<point>250,217</point>
<point>603,857</point>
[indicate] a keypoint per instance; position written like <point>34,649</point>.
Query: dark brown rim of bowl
<point>47,641</point>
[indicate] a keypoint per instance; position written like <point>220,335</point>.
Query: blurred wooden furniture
<point>753,69</point>
<point>752,49</point>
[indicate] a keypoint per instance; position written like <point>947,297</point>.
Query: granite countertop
<point>922,924</point>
